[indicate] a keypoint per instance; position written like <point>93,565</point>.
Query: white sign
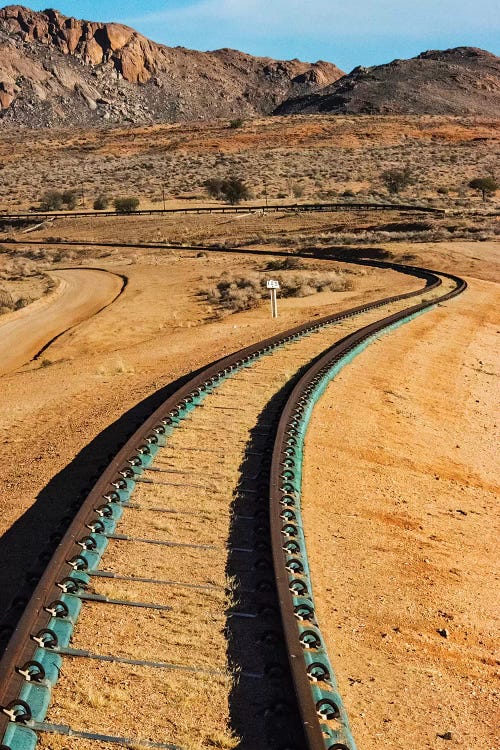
<point>273,284</point>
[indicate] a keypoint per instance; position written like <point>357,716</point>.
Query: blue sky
<point>346,32</point>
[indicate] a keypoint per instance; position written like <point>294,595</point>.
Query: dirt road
<point>81,293</point>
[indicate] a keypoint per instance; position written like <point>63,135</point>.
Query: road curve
<point>82,293</point>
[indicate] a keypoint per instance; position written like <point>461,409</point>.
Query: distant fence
<point>39,216</point>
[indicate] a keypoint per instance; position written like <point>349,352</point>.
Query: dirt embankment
<point>80,294</point>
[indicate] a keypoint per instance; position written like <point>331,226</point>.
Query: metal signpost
<point>273,286</point>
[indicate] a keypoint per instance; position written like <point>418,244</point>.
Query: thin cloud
<point>325,19</point>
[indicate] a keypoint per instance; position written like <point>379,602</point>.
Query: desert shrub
<point>238,122</point>
<point>126,205</point>
<point>22,302</point>
<point>51,200</point>
<point>298,191</point>
<point>291,263</point>
<point>6,300</point>
<point>54,200</point>
<point>232,189</point>
<point>240,293</point>
<point>396,180</point>
<point>303,285</point>
<point>101,202</point>
<point>236,294</point>
<point>484,185</point>
<point>69,198</point>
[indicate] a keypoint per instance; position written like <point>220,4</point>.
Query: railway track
<point>177,610</point>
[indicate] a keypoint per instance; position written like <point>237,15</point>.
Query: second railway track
<point>157,622</point>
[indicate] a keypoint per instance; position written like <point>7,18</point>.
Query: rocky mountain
<point>459,81</point>
<point>56,70</point>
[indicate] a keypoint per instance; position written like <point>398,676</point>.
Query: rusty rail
<point>323,715</point>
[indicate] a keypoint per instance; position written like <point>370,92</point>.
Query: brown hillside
<point>55,70</point>
<point>459,81</point>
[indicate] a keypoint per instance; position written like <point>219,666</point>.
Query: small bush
<point>22,302</point>
<point>69,198</point>
<point>238,122</point>
<point>396,180</point>
<point>233,189</point>
<point>53,200</point>
<point>6,300</point>
<point>126,205</point>
<point>288,264</point>
<point>101,202</point>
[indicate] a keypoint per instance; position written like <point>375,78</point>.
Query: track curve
<point>24,695</point>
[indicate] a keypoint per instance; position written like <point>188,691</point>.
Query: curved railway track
<point>156,621</point>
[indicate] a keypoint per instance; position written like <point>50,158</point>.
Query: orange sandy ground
<point>159,329</point>
<point>401,529</point>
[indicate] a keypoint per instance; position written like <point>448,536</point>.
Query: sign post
<point>273,286</point>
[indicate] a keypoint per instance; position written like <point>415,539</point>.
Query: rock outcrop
<point>55,70</point>
<point>459,81</point>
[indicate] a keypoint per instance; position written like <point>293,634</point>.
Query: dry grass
<point>308,157</point>
<point>237,293</point>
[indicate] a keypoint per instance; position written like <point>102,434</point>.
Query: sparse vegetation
<point>238,293</point>
<point>6,301</point>
<point>291,263</point>
<point>325,155</point>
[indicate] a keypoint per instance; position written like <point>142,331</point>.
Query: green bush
<point>69,198</point>
<point>232,189</point>
<point>54,200</point>
<point>126,205</point>
<point>396,180</point>
<point>484,185</point>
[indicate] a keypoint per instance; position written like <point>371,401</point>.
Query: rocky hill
<point>459,81</point>
<point>57,70</point>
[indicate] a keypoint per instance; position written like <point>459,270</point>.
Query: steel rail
<point>324,718</point>
<point>38,613</point>
<point>239,209</point>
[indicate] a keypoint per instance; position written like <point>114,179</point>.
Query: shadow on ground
<point>28,545</point>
